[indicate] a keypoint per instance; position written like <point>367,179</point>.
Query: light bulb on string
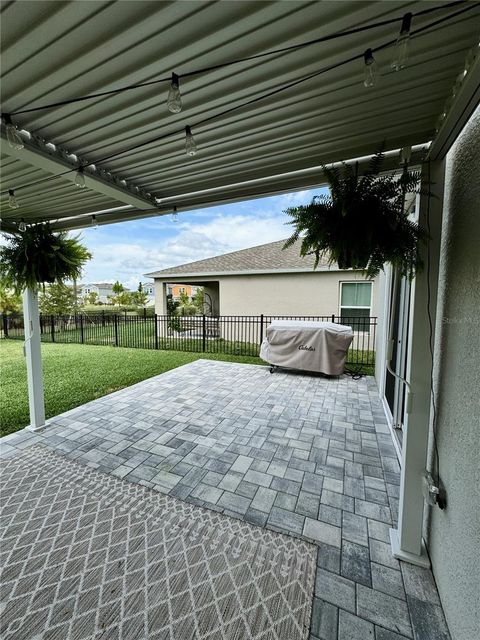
<point>402,46</point>
<point>22,227</point>
<point>370,70</point>
<point>405,155</point>
<point>80,179</point>
<point>12,200</point>
<point>175,214</point>
<point>174,100</point>
<point>13,137</point>
<point>190,144</point>
<point>94,222</point>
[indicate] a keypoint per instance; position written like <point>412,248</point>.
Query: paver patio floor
<point>303,455</point>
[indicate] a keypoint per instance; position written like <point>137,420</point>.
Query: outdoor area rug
<point>86,555</point>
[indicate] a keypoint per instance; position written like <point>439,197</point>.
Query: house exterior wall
<point>287,294</point>
<point>178,289</point>
<point>454,534</point>
<point>290,294</point>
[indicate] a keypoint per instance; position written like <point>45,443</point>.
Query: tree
<point>173,320</point>
<point>183,299</point>
<point>10,302</point>
<point>57,298</point>
<point>172,305</point>
<point>139,297</point>
<point>198,299</point>
<point>121,299</point>
<point>91,298</point>
<point>118,287</point>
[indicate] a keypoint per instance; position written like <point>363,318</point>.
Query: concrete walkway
<point>303,455</point>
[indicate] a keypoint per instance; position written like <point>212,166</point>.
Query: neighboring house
<point>176,290</point>
<point>267,279</point>
<point>102,289</point>
<point>149,289</point>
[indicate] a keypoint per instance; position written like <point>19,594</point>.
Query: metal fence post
<point>115,325</point>
<point>103,317</point>
<point>81,329</point>
<point>261,328</point>
<point>52,327</point>
<point>145,312</point>
<point>5,325</point>
<point>155,317</point>
<point>333,317</point>
<point>204,328</point>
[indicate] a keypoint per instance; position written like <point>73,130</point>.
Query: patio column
<point>407,540</point>
<point>33,358</point>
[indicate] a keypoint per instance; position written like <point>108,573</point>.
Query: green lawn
<point>75,374</point>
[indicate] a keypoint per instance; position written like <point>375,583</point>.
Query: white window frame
<point>369,307</point>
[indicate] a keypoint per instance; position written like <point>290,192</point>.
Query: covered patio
<point>301,455</point>
<point>270,92</point>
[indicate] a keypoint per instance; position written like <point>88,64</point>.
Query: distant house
<point>149,289</point>
<point>267,279</point>
<point>102,289</point>
<point>176,290</point>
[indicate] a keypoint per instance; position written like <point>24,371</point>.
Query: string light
<point>402,46</point>
<point>22,227</point>
<point>94,222</point>
<point>190,144</point>
<point>13,137</point>
<point>270,53</point>
<point>370,72</point>
<point>371,77</point>
<point>12,201</point>
<point>80,179</point>
<point>175,214</point>
<point>174,100</point>
<point>405,155</point>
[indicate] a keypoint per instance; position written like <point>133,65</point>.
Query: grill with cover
<point>306,345</point>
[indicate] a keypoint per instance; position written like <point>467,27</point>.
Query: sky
<point>127,250</point>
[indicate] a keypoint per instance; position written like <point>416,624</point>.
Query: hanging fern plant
<point>39,256</point>
<point>362,223</point>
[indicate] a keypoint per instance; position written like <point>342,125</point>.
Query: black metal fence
<point>233,335</point>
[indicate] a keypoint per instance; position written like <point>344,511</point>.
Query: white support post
<point>33,358</point>
<point>407,540</point>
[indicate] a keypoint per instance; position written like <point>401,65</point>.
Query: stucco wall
<point>454,534</point>
<point>311,293</point>
<point>285,294</point>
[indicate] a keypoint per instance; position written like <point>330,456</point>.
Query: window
<point>356,304</point>
<point>181,289</point>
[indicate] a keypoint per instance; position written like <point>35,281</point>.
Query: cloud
<point>129,250</point>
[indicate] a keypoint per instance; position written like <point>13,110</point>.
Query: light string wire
<point>431,333</point>
<point>188,74</point>
<point>244,104</point>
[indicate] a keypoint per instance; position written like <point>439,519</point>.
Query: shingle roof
<point>98,284</point>
<point>267,258</point>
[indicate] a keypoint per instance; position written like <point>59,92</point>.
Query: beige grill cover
<point>306,345</point>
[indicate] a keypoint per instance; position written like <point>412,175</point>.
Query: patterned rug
<point>89,556</point>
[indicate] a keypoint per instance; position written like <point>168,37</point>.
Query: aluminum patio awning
<point>55,51</point>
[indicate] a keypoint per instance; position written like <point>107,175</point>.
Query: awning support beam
<point>33,358</point>
<point>407,539</point>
